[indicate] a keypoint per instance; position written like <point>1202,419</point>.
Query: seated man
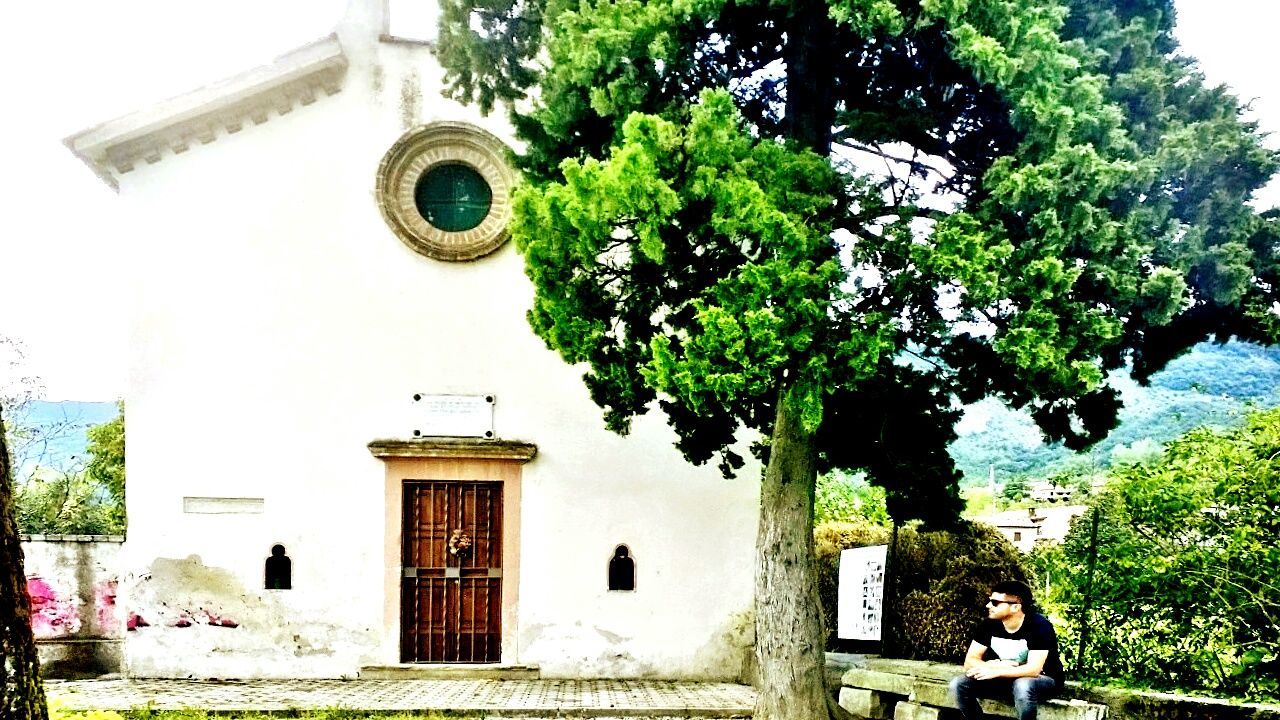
<point>1014,652</point>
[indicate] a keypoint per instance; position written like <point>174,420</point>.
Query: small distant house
<point>347,449</point>
<point>1024,528</point>
<point>1047,492</point>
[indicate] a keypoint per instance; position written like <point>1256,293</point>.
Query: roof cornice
<point>296,78</point>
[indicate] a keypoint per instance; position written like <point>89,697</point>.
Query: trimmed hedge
<point>943,580</point>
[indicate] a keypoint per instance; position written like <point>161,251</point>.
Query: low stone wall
<point>72,580</point>
<point>916,690</point>
<point>1146,705</point>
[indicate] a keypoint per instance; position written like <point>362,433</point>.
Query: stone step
<point>915,668</point>
<point>916,689</point>
<point>868,703</point>
<point>912,711</point>
<point>837,664</point>
<point>882,681</point>
<point>926,692</point>
<point>423,671</point>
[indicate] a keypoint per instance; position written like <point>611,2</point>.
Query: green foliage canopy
<point>704,229</point>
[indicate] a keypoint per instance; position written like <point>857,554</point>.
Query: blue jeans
<point>1027,694</point>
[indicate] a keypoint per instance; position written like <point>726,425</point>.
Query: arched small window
<point>279,570</point>
<point>622,570</point>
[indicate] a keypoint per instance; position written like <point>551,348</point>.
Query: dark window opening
<point>279,570</point>
<point>1017,536</point>
<point>453,197</point>
<point>622,570</point>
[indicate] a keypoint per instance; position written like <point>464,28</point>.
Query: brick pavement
<point>490,698</point>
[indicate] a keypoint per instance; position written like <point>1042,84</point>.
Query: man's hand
<point>988,670</point>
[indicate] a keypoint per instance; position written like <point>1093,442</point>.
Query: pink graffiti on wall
<point>52,616</point>
<point>104,602</point>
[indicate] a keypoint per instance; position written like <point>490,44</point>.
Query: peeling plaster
<point>188,619</point>
<point>727,652</point>
<point>613,638</point>
<point>731,653</point>
<point>410,99</point>
<point>184,593</point>
<point>104,602</point>
<point>532,633</point>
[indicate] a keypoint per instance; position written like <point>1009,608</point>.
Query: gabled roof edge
<point>295,78</point>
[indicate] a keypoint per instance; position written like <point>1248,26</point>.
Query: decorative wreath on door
<point>460,544</point>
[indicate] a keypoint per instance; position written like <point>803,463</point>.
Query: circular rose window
<point>445,190</point>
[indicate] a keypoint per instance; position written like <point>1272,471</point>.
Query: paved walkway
<point>493,698</point>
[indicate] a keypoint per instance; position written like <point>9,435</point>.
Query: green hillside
<point>1211,385</point>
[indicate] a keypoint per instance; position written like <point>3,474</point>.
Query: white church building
<point>346,449</point>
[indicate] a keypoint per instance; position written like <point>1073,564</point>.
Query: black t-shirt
<point>1036,633</point>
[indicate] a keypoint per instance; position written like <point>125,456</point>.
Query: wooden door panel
<point>451,603</point>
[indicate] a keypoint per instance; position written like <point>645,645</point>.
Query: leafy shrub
<point>1185,593</point>
<point>69,503</point>
<point>943,579</point>
<point>106,462</point>
<point>849,498</point>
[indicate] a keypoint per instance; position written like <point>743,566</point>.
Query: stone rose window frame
<point>415,154</point>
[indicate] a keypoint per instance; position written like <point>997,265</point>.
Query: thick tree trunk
<point>21,693</point>
<point>790,641</point>
<point>789,637</point>
<point>811,103</point>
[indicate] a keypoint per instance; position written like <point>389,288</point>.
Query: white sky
<point>66,65</point>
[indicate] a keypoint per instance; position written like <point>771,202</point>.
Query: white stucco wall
<point>279,326</point>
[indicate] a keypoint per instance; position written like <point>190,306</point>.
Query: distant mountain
<point>53,433</point>
<point>1212,385</point>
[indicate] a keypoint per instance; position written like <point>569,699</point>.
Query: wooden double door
<point>451,586</point>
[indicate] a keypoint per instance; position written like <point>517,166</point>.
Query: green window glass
<point>453,197</point>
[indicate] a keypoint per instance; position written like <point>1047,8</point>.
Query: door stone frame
<point>465,459</point>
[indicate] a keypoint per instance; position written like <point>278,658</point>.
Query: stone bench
<point>917,690</point>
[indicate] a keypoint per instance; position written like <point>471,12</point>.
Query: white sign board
<point>222,506</point>
<point>860,594</point>
<point>453,415</point>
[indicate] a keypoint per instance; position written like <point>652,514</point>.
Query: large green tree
<point>835,222</point>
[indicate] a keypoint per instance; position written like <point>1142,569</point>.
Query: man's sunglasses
<point>997,603</point>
